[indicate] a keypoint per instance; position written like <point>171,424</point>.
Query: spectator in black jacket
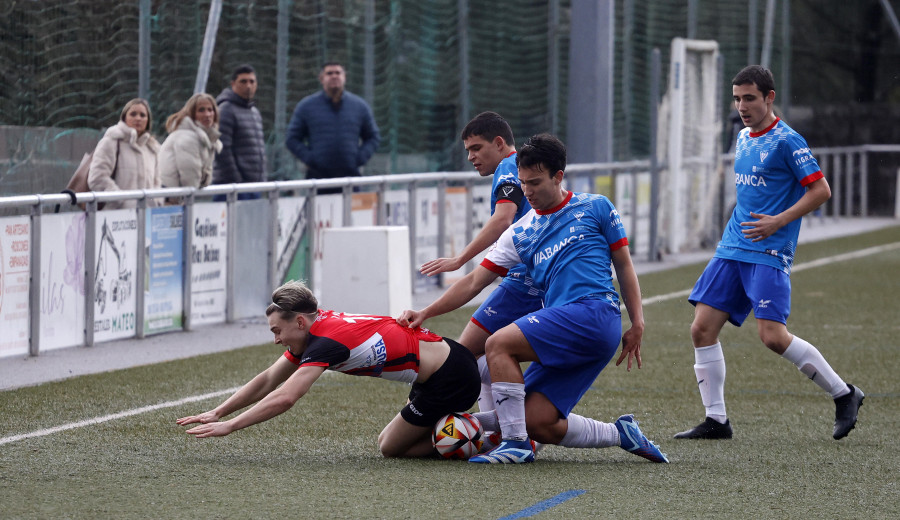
<point>243,155</point>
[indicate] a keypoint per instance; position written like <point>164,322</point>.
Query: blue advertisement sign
<point>164,277</point>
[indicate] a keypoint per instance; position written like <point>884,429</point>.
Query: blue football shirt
<point>566,250</point>
<point>771,171</point>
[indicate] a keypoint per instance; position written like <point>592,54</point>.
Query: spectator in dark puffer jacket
<point>243,155</point>
<point>332,131</point>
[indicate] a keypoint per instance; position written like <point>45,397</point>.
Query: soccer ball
<point>457,436</point>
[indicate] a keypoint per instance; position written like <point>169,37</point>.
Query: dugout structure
<point>689,134</point>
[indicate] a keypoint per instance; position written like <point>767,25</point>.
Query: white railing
<point>232,253</point>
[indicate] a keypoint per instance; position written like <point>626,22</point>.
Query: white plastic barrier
<point>367,271</point>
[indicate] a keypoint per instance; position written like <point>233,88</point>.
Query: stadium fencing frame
<point>845,167</point>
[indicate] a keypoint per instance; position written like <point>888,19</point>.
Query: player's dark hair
<point>291,299</point>
<point>489,125</point>
<point>245,68</point>
<point>756,75</point>
<point>331,64</point>
<point>542,151</point>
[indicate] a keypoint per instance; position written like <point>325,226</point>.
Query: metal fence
<point>262,245</point>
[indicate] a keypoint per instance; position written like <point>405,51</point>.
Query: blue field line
<point>544,505</point>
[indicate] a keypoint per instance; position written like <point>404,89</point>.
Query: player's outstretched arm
<point>631,294</point>
<point>253,391</point>
<point>275,403</point>
<point>503,217</point>
<point>457,295</point>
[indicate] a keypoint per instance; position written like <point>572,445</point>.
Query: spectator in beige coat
<point>186,157</point>
<point>125,158</point>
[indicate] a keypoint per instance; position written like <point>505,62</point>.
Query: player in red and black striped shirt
<point>443,373</point>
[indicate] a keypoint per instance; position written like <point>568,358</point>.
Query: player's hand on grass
<point>760,229</point>
<point>440,265</point>
<point>631,347</point>
<point>213,429</point>
<point>205,417</point>
<point>411,319</point>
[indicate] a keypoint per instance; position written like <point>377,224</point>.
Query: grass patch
<point>319,460</point>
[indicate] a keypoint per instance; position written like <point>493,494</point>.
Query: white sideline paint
<point>171,404</point>
<point>111,417</point>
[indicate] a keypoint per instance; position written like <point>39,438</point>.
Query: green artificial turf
<point>319,460</point>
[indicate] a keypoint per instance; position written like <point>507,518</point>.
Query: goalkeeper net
<point>689,126</point>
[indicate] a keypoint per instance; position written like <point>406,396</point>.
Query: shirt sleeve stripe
<point>494,268</point>
<point>619,245</point>
<point>809,179</point>
<point>292,358</point>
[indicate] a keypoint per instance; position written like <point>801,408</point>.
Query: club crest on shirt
<point>762,156</point>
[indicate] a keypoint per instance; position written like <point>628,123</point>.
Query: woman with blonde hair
<point>186,157</point>
<point>125,157</point>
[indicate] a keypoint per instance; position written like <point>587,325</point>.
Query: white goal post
<point>690,126</point>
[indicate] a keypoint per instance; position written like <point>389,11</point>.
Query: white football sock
<point>488,420</point>
<point>486,397</point>
<point>710,370</point>
<point>509,398</point>
<point>810,361</point>
<point>585,432</point>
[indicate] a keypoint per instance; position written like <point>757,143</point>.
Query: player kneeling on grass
<point>443,373</point>
<point>568,243</point>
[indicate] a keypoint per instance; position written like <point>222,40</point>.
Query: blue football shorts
<point>574,342</point>
<point>739,287</point>
<point>504,306</point>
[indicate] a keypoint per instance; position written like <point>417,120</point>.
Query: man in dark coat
<point>332,131</point>
<point>243,155</point>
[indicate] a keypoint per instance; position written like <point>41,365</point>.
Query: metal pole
<point>144,49</point>
<point>627,76</point>
<point>230,252</point>
<point>462,33</point>
<point>767,34</point>
<point>34,287</point>
<point>412,215</point>
<point>470,203</point>
<point>785,101</point>
<point>892,17</point>
<point>90,271</point>
<point>753,15</point>
<point>311,237</point>
<point>655,68</point>
<point>187,241</point>
<point>209,45</point>
<point>692,20</point>
<point>864,183</point>
<point>282,50</point>
<point>369,55</point>
<point>553,65</point>
<point>272,257</point>
<point>140,269</point>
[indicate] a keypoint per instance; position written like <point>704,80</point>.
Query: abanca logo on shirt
<point>548,252</point>
<point>749,180</point>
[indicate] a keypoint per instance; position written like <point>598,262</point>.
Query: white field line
<point>171,404</point>
<point>111,417</point>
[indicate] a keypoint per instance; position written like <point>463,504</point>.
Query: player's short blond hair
<point>293,298</point>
